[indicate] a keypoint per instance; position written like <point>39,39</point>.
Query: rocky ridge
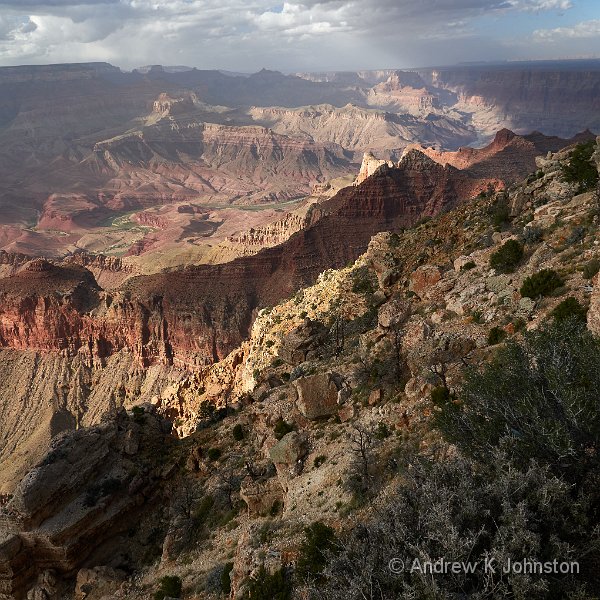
<point>360,350</point>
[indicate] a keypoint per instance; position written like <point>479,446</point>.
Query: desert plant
<point>495,336</point>
<point>570,308</point>
<point>580,169</point>
<point>440,395</point>
<point>226,578</point>
<point>531,235</point>
<point>238,433</point>
<point>269,586</point>
<point>507,257</point>
<point>319,460</point>
<point>214,454</point>
<point>319,541</point>
<point>282,428</point>
<point>170,587</point>
<point>455,510</point>
<point>542,283</point>
<point>536,399</point>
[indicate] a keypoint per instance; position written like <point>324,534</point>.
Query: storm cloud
<point>293,35</point>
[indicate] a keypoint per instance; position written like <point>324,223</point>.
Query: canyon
<point>403,260</point>
<point>176,240</point>
<point>141,165</point>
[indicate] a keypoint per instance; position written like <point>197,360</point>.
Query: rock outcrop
<point>88,491</point>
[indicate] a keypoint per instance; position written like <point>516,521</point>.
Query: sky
<point>297,35</point>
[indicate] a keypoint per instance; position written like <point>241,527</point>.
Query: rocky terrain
<point>346,361</point>
<point>89,154</point>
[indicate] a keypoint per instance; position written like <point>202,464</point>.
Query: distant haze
<point>302,35</point>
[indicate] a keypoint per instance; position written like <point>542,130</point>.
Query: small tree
<point>540,284</point>
<point>362,444</point>
<point>536,399</point>
<point>269,586</point>
<point>319,540</point>
<point>570,308</point>
<point>581,169</point>
<point>507,257</point>
<point>170,587</point>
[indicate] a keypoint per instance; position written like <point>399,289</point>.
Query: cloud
<point>239,34</point>
<point>585,29</point>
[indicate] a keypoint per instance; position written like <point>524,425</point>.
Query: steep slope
<point>349,367</point>
<point>510,156</point>
<point>183,319</point>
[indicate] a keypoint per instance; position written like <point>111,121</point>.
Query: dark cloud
<point>249,34</point>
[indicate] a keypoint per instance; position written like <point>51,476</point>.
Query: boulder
<point>261,496</point>
<point>303,343</point>
<point>375,397</point>
<point>393,313</point>
<point>291,448</point>
<point>423,279</point>
<point>318,395</point>
<point>346,413</point>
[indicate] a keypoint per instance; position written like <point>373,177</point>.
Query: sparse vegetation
<point>269,586</point>
<point>570,308</point>
<point>542,283</point>
<point>495,336</point>
<point>580,169</point>
<point>319,542</point>
<point>170,587</point>
<point>507,257</point>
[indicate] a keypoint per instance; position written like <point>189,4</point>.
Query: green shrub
<point>495,336</point>
<point>440,395</point>
<point>214,454</point>
<point>591,268</point>
<point>362,281</point>
<point>507,257</point>
<point>170,586</point>
<point>394,240</point>
<point>238,433</point>
<point>138,414</point>
<point>535,400</point>
<point>382,432</point>
<point>531,235</point>
<point>570,308</point>
<point>282,428</point>
<point>580,169</point>
<point>319,460</point>
<point>467,266</point>
<point>542,283</point>
<point>319,540</point>
<point>269,586</point>
<point>500,214</point>
<point>226,578</point>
